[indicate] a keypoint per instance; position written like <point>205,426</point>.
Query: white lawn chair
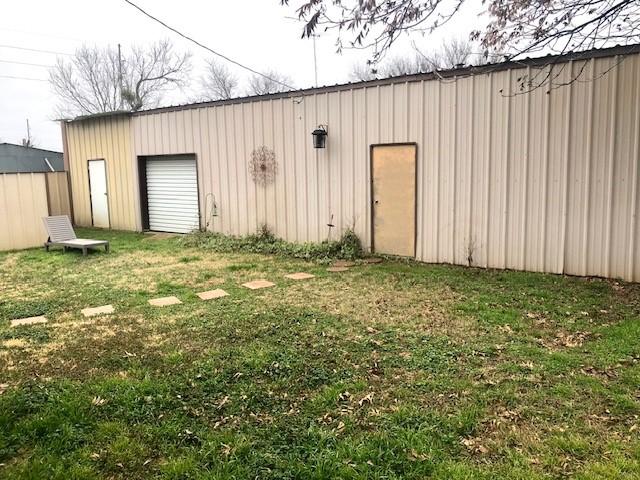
<point>61,233</point>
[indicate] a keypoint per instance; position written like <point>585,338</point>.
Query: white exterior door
<point>172,194</point>
<point>98,193</point>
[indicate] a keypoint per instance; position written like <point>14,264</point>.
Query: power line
<point>36,50</point>
<point>23,78</point>
<point>205,47</point>
<point>39,34</point>
<point>27,63</point>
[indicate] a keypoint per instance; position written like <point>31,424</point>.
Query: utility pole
<point>28,141</point>
<point>120,75</point>
<point>315,59</point>
<point>315,55</point>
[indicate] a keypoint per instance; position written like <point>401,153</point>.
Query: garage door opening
<point>169,191</point>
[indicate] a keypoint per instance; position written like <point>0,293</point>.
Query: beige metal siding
<point>530,181</point>
<point>23,204</point>
<point>58,193</point>
<point>108,139</point>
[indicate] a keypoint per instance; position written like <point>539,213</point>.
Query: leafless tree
<point>362,72</point>
<point>271,82</point>
<point>218,83</point>
<point>516,28</point>
<point>451,54</point>
<point>90,81</point>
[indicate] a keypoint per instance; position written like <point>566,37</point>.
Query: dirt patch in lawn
<point>372,302</point>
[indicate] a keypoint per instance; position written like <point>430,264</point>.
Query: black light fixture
<point>319,136</point>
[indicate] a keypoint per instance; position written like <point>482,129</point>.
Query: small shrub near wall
<point>264,241</point>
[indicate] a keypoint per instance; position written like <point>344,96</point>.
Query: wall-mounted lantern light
<point>319,136</point>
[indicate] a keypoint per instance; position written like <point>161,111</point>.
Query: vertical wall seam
<point>488,155</point>
<point>587,173</point>
<point>421,183</point>
<point>472,158</point>
<point>545,167</point>
<point>352,195</point>
<point>612,159</point>
<point>284,169</point>
<point>306,173</point>
<point>437,173</point>
<point>367,188</point>
<point>226,160</point>
<point>454,167</point>
<point>340,197</point>
<point>525,181</point>
<point>563,242</point>
<point>507,180</point>
<point>295,170</point>
<point>275,183</point>
<point>634,185</point>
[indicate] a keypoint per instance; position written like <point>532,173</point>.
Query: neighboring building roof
<point>17,159</point>
<point>416,77</point>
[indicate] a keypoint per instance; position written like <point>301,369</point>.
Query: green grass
<point>387,371</point>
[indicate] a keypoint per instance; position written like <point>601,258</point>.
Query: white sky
<point>254,32</point>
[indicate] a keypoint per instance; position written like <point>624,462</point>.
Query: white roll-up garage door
<point>172,194</point>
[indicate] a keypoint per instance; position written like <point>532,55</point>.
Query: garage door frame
<point>142,185</point>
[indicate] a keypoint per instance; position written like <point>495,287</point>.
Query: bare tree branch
<point>218,83</point>
<point>516,28</point>
<point>261,85</point>
<point>452,53</point>
<point>90,81</point>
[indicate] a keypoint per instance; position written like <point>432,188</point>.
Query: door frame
<point>142,186</point>
<point>415,196</point>
<point>106,186</point>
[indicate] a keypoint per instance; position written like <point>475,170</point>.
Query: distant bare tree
<point>516,28</point>
<point>451,54</point>
<point>392,67</point>
<point>90,81</point>
<point>218,83</point>
<point>362,72</point>
<point>276,82</point>
<point>456,52</point>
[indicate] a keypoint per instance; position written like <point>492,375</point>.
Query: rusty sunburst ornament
<point>263,166</point>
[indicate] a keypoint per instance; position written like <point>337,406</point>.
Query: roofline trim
<point>416,77</point>
<point>31,148</point>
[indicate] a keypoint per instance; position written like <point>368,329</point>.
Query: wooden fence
<point>24,199</point>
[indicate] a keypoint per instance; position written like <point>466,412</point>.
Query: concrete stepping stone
<point>257,284</point>
<point>342,263</point>
<point>93,311</point>
<point>372,260</point>
<point>28,321</point>
<point>211,294</point>
<point>164,301</point>
<point>299,276</point>
<point>337,269</point>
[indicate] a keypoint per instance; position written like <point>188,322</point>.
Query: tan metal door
<point>394,199</point>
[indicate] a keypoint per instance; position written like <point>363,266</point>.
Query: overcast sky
<point>254,32</point>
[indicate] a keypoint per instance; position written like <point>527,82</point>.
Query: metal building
<point>463,166</point>
<point>21,159</point>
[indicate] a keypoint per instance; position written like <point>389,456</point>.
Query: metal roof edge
<point>416,77</point>
<point>30,148</point>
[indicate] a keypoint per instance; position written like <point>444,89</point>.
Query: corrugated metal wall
<point>23,203</point>
<point>58,193</point>
<point>109,139</point>
<point>535,181</point>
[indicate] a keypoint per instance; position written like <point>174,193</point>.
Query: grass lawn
<point>386,371</point>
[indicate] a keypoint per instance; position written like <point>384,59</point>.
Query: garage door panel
<point>172,194</point>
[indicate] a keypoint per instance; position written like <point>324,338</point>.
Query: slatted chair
<point>61,233</point>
